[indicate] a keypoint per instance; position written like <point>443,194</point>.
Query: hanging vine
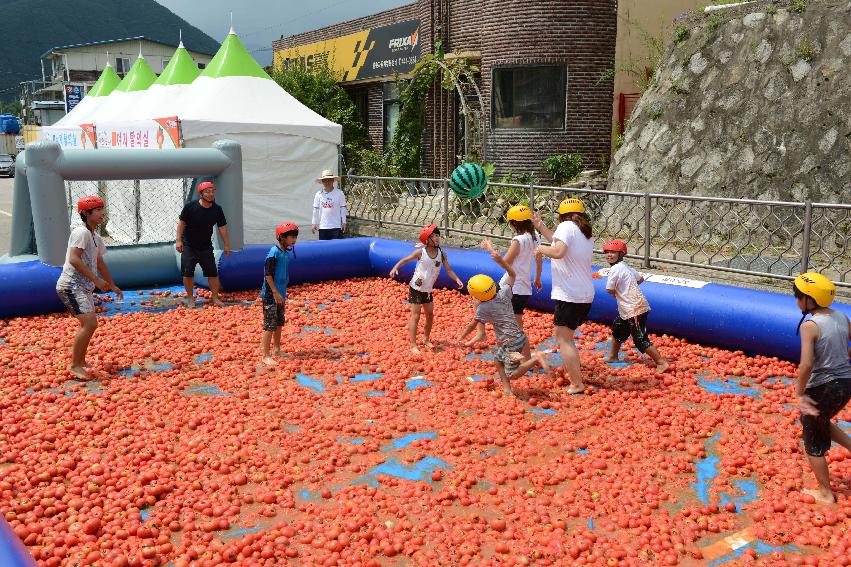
<point>405,149</point>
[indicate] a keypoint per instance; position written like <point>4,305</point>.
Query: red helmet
<point>206,185</point>
<point>427,231</point>
<point>285,228</point>
<point>615,246</point>
<point>89,203</point>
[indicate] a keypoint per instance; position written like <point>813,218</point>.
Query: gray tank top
<point>831,350</point>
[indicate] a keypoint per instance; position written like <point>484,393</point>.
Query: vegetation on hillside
<point>32,27</point>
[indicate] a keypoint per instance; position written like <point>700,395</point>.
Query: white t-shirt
<point>329,209</point>
<point>571,274</point>
<point>426,271</point>
<point>523,265</point>
<point>92,246</point>
<point>623,279</point>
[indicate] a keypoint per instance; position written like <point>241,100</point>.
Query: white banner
<point>81,137</point>
<point>155,134</point>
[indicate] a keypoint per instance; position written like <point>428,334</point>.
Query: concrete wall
<point>638,21</point>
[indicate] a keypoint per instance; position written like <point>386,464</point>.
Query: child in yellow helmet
<point>521,257</point>
<point>493,305</point>
<point>824,375</point>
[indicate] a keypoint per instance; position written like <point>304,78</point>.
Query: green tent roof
<point>106,83</point>
<point>139,78</point>
<point>181,70</point>
<point>233,60</point>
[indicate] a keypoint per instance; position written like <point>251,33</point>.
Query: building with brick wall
<point>543,75</point>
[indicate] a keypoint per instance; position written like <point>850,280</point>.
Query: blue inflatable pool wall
<point>756,322</point>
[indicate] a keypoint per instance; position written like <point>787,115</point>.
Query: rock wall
<point>749,102</point>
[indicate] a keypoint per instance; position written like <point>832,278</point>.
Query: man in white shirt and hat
<point>329,208</point>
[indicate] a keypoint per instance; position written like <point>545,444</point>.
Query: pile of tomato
<point>188,450</point>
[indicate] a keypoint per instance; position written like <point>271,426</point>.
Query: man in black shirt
<point>195,241</point>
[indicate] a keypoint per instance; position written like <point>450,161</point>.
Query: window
<point>392,108</point>
<point>165,62</point>
<point>122,65</point>
<point>202,65</point>
<point>360,98</point>
<point>529,97</point>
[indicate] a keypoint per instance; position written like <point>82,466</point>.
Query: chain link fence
<point>141,211</point>
<point>771,240</point>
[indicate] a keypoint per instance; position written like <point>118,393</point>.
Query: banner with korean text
<point>81,137</point>
<point>156,134</point>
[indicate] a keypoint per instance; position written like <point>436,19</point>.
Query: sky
<point>258,22</point>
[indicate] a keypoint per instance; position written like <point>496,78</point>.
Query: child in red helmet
<point>83,263</point>
<point>430,257</point>
<point>632,306</point>
<point>273,294</point>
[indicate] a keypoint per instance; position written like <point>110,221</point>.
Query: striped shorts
<point>77,300</point>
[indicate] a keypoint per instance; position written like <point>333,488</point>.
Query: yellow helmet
<point>519,213</point>
<point>821,289</point>
<point>481,287</point>
<point>571,206</point>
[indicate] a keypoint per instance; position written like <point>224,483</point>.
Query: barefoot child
<point>83,263</point>
<point>824,374</point>
<point>494,306</point>
<point>521,257</point>
<point>429,259</point>
<point>274,291</point>
<point>632,306</point>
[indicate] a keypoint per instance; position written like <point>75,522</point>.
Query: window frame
<point>566,77</point>
<point>125,66</point>
<point>387,102</point>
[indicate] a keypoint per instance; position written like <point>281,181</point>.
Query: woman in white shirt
<point>572,285</point>
<point>329,208</point>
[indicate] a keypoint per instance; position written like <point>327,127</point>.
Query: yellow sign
<point>376,52</point>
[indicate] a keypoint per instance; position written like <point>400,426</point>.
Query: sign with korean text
<point>73,96</point>
<point>376,52</point>
<point>81,137</point>
<point>156,134</point>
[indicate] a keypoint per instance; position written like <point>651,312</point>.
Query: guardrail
<point>766,239</point>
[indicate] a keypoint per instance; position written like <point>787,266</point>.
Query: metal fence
<point>137,211</point>
<point>766,239</point>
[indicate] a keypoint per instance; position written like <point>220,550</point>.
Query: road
<point>6,184</point>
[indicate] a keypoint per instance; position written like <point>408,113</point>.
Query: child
<point>329,208</point>
<point>824,374</point>
<point>521,257</point>
<point>429,260</point>
<point>632,306</point>
<point>75,287</point>
<point>274,290</point>
<point>494,306</point>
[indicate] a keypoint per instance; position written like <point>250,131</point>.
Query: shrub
<point>317,89</point>
<point>563,168</point>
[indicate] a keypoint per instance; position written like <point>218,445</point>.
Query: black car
<point>7,165</point>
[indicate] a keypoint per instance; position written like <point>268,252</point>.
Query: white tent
<point>285,145</point>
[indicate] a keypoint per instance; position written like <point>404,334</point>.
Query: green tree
<point>12,107</point>
<point>318,89</point>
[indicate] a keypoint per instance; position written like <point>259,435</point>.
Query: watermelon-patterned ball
<point>468,180</point>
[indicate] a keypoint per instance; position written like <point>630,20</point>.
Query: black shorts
<point>569,314</point>
<point>829,398</point>
<point>330,233</point>
<point>273,314</point>
<point>190,257</point>
<point>417,297</point>
<point>518,303</point>
<point>637,327</point>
